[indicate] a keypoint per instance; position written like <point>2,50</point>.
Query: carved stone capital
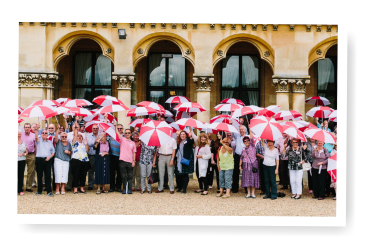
<point>296,85</point>
<point>281,85</point>
<point>203,83</point>
<point>124,81</point>
<point>300,85</point>
<point>37,80</point>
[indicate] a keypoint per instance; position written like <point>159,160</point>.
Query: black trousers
<point>79,170</point>
<point>43,166</point>
<point>210,175</point>
<point>126,172</point>
<point>114,167</point>
<point>21,168</point>
<point>310,180</point>
<point>261,174</point>
<point>328,184</point>
<point>53,175</point>
<point>202,180</point>
<point>236,173</point>
<point>270,181</point>
<point>284,173</point>
<point>182,181</point>
<point>319,182</point>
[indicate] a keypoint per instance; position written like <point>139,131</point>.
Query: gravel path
<point>175,204</point>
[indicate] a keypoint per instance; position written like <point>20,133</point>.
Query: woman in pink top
<point>102,167</point>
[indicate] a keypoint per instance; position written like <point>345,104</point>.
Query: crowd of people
<point>63,159</point>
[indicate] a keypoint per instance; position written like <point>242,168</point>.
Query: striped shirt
<point>114,147</point>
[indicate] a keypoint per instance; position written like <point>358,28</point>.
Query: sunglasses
<point>246,140</point>
<point>44,133</point>
<point>295,142</point>
<point>127,133</point>
<point>63,136</point>
<point>120,128</point>
<point>50,128</point>
<point>95,128</point>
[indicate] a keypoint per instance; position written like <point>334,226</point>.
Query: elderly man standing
<point>29,139</point>
<point>45,152</point>
<point>91,154</point>
<point>238,151</point>
<point>166,159</point>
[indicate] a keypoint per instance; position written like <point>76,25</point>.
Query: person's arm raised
<point>57,133</point>
<point>36,132</point>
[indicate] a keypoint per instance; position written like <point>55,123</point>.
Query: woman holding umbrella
<point>320,157</point>
<point>271,168</point>
<point>102,175</point>
<point>184,151</point>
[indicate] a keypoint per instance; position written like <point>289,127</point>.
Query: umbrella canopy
<point>139,111</point>
<point>165,113</point>
<point>246,110</point>
<point>108,129</point>
<point>287,115</point>
<point>320,135</point>
<point>139,122</point>
<point>307,125</point>
<point>45,103</point>
<point>269,111</point>
<point>62,100</point>
<point>106,100</point>
<point>207,129</point>
<point>80,112</point>
<point>175,126</point>
<point>294,124</point>
<point>155,133</point>
<point>190,122</point>
<point>153,105</point>
<point>181,114</point>
<point>112,109</point>
<point>225,119</point>
<point>20,110</point>
<point>190,107</point>
<point>39,111</point>
<point>169,120</point>
<point>292,131</point>
<point>177,99</point>
<point>318,101</point>
<point>332,167</point>
<point>20,120</point>
<point>227,107</point>
<point>320,112</point>
<point>76,103</point>
<point>266,128</point>
<point>222,127</point>
<point>233,101</point>
<point>100,117</point>
<point>333,116</point>
<point>89,125</point>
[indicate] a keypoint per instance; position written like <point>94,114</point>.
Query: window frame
<point>335,92</point>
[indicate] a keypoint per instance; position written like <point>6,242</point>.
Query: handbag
<point>185,161</point>
<point>306,165</point>
<point>254,170</point>
<point>154,176</point>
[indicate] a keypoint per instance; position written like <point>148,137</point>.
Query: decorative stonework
<point>153,25</point>
<point>203,83</point>
<point>31,23</point>
<point>329,28</point>
<point>142,25</point>
<point>275,27</point>
<point>319,28</point>
<point>233,27</point>
<point>83,24</point>
<point>254,26</point>
<point>93,25</point>
<point>297,85</point>
<point>43,23</point>
<point>300,85</point>
<point>281,85</point>
<point>220,52</point>
<point>243,26</point>
<point>104,25</point>
<point>114,25</point>
<point>187,52</point>
<point>184,25</point>
<point>20,23</point>
<point>53,24</point>
<point>132,25</point>
<point>195,26</point>
<point>124,81</point>
<point>73,24</point>
<point>108,51</point>
<point>140,51</point>
<point>163,25</point>
<point>37,80</point>
<point>212,26</point>
<point>264,27</point>
<point>319,52</point>
<point>291,27</point>
<point>223,26</point>
<point>61,50</point>
<point>63,24</point>
<point>173,25</point>
<point>308,27</point>
<point>267,53</point>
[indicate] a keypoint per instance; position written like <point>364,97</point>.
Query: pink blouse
<point>104,147</point>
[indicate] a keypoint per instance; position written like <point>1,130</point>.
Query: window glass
<point>103,70</point>
<point>326,74</point>
<point>230,72</point>
<point>157,70</point>
<point>157,97</point>
<point>250,72</point>
<point>83,93</point>
<point>176,71</point>
<point>83,69</point>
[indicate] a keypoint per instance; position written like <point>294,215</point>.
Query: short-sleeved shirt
<point>60,151</point>
<point>168,147</point>
<point>29,141</point>
<point>21,150</point>
<point>44,148</point>
<point>270,157</point>
<point>127,148</point>
<point>79,152</point>
<point>90,142</point>
<point>147,153</point>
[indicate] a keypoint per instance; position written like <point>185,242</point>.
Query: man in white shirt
<point>239,147</point>
<point>166,157</point>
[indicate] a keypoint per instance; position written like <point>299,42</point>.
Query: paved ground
<point>175,204</point>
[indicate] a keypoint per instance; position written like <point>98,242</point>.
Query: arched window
<point>327,79</point>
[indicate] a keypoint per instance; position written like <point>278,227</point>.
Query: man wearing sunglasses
<point>115,182</point>
<point>45,152</point>
<point>91,154</point>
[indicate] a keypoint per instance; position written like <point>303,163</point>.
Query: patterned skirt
<point>186,169</point>
<point>250,179</point>
<point>102,170</point>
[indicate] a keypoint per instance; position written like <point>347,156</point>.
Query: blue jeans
<point>225,178</point>
<point>270,181</point>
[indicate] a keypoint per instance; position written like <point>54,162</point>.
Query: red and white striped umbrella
<point>175,126</point>
<point>112,109</point>
<point>307,125</point>
<point>225,119</point>
<point>39,111</point>
<point>80,112</point>
<point>20,120</point>
<point>165,113</point>
<point>89,125</point>
<point>190,122</point>
<point>20,110</point>
<point>139,122</point>
<point>76,103</point>
<point>100,117</point>
<point>156,133</point>
<point>45,103</point>
<point>207,129</point>
<point>108,129</point>
<point>181,114</point>
<point>266,128</point>
<point>222,127</point>
<point>227,107</point>
<point>318,101</point>
<point>332,167</point>
<point>256,139</point>
<point>177,99</point>
<point>63,110</point>
<point>320,112</point>
<point>320,135</point>
<point>269,111</point>
<point>153,105</point>
<point>190,107</point>
<point>246,110</point>
<point>287,115</point>
<point>106,100</point>
<point>233,101</point>
<point>62,100</point>
<point>139,111</point>
<point>292,131</point>
<point>333,116</point>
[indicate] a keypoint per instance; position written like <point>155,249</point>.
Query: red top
<point>138,153</point>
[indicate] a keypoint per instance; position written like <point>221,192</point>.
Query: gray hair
<point>19,131</point>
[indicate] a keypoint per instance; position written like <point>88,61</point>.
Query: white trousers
<point>296,177</point>
<point>61,170</point>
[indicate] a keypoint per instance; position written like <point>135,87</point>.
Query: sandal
<point>248,196</point>
<point>57,192</point>
<point>21,193</point>
<point>149,191</point>
<point>198,191</point>
<point>83,192</point>
<point>293,196</point>
<point>253,196</point>
<point>76,193</point>
<point>98,192</point>
<point>104,192</point>
<point>298,197</point>
<point>62,192</point>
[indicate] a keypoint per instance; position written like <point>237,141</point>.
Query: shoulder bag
<point>306,165</point>
<point>254,170</point>
<point>185,161</point>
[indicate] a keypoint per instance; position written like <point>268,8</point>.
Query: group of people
<point>126,163</point>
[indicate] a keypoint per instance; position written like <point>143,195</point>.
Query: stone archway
<point>319,51</point>
<point>63,46</point>
<point>266,52</point>
<point>141,49</point>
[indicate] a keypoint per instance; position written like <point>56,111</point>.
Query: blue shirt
<point>319,126</point>
<point>239,143</point>
<point>114,147</point>
<point>329,147</point>
<point>90,142</point>
<point>44,148</point>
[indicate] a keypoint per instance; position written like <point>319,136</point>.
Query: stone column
<point>203,87</point>
<point>124,83</point>
<point>282,92</point>
<point>298,89</point>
